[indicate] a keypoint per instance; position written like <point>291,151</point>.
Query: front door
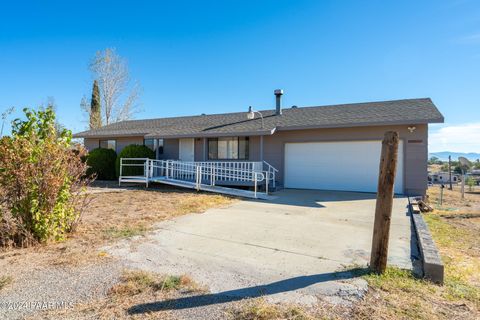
<point>186,149</point>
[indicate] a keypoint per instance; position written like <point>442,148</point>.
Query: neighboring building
<point>334,147</point>
<point>444,177</point>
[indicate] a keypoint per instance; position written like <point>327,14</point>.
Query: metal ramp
<point>201,175</point>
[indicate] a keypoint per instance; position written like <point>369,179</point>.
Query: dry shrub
<point>42,177</point>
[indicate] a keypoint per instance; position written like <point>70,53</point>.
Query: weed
<point>260,309</point>
<point>4,281</point>
<point>125,232</point>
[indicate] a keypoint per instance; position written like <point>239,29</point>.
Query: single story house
<point>334,147</point>
<point>444,177</point>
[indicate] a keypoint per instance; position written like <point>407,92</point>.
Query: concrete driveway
<point>289,249</point>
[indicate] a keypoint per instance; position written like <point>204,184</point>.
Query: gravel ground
<point>41,287</point>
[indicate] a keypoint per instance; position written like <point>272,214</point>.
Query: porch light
<point>251,114</point>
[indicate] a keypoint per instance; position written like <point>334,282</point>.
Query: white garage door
<point>345,166</point>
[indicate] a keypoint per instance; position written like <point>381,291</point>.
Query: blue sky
<point>194,57</point>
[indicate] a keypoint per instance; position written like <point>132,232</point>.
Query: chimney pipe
<point>278,99</point>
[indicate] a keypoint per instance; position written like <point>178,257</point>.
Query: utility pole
<point>450,172</point>
<point>383,209</point>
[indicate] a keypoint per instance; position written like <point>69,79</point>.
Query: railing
<point>271,173</point>
<point>203,173</point>
<point>200,173</point>
<point>140,175</point>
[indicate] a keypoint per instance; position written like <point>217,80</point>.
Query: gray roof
<point>408,111</point>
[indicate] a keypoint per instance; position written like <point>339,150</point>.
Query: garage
<point>343,166</point>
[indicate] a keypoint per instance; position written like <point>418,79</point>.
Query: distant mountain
<point>443,155</point>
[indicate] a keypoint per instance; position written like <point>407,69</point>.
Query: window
<point>228,148</point>
<point>108,144</point>
<point>150,143</point>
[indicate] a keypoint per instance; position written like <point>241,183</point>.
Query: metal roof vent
<point>278,99</point>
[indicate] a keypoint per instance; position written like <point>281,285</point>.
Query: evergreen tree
<point>95,108</point>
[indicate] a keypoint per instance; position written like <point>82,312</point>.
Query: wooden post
<point>383,209</point>
<point>441,193</point>
<point>450,171</point>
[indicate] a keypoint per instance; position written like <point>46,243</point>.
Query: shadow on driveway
<point>249,292</point>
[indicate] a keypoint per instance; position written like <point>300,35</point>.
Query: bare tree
<point>51,103</point>
<point>4,117</point>
<point>119,97</point>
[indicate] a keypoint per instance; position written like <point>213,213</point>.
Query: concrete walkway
<point>289,249</point>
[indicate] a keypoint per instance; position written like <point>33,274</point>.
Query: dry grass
<point>5,281</point>
<point>453,203</point>
<point>260,309</point>
<point>134,282</point>
<point>397,294</point>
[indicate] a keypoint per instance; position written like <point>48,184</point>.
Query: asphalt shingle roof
<point>409,111</point>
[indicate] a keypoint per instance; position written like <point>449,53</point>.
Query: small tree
<point>459,169</point>
<point>434,160</point>
<point>41,180</point>
<point>95,107</point>
<point>470,183</point>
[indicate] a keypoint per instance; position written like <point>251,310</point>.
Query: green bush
<point>133,151</point>
<point>42,178</point>
<point>102,163</point>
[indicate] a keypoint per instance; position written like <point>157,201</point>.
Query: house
<point>334,147</point>
<point>444,177</point>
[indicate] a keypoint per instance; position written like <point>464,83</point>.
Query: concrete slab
<point>289,249</point>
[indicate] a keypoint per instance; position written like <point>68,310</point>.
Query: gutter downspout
<point>205,149</point>
<point>261,148</point>
<point>155,147</point>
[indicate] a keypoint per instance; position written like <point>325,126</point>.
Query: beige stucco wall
<point>90,143</point>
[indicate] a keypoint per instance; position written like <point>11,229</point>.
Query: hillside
<point>443,155</point>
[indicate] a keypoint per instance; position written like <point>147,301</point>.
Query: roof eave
<point>110,135</point>
<point>364,124</point>
<point>211,134</point>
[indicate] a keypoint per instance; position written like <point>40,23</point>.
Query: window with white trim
<point>228,148</point>
<point>108,144</point>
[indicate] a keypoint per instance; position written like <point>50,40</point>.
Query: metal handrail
<point>271,170</point>
<point>270,166</point>
<point>191,167</point>
<point>199,172</point>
